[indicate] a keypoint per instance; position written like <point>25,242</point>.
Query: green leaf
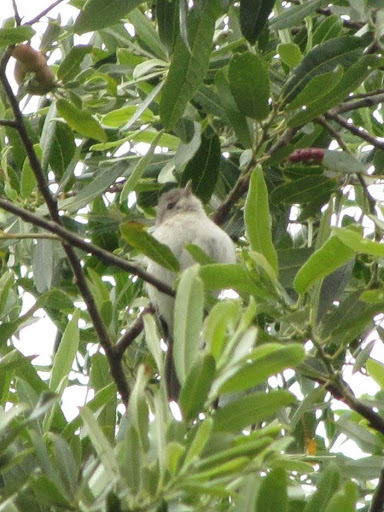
<point>9,36</point>
<point>28,180</point>
<point>103,448</point>
<point>220,276</point>
<point>188,68</point>
<point>221,320</point>
<point>340,161</point>
<point>263,362</point>
<point>237,119</point>
<point>199,441</point>
<point>147,33</point>
<point>357,243</point>
<point>304,190</point>
<point>189,309</point>
<point>203,168</point>
<point>352,78</point>
<point>62,364</point>
<point>322,59</point>
<point>81,120</point>
<point>196,387</point>
<point>98,14</point>
<point>249,82</point>
<point>273,494</point>
<point>376,371</point>
<point>167,14</point>
<point>71,65</point>
<point>43,264</point>
<point>258,220</point>
<point>316,88</point>
<point>141,240</point>
<point>253,16</point>
<point>250,409</point>
<point>344,499</point>
<point>138,411</point>
<point>327,486</point>
<point>141,166</point>
<point>329,28</point>
<point>290,54</point>
<point>332,255</point>
<point>294,15</point>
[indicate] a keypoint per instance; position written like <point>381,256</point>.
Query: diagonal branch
<point>76,241</point>
<point>377,504</point>
<point>355,130</point>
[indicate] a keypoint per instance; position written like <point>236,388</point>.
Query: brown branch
<point>76,241</point>
<point>10,123</point>
<point>16,12</point>
<point>377,504</point>
<point>355,130</point>
<point>351,104</point>
<point>335,134</point>
<point>132,333</point>
<point>43,13</point>
<point>115,363</point>
<point>243,182</point>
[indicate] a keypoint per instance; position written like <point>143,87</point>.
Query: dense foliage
<point>274,110</point>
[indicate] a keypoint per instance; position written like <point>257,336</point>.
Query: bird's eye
<point>170,206</point>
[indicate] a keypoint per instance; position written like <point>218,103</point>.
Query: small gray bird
<point>181,220</point>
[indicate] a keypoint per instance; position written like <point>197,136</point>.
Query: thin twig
<point>43,13</point>
<point>368,101</point>
<point>16,12</point>
<point>76,241</point>
<point>24,236</point>
<point>335,134</point>
<point>132,333</point>
<point>6,122</point>
<point>359,132</point>
<point>377,504</point>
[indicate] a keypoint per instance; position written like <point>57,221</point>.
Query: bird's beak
<point>188,189</point>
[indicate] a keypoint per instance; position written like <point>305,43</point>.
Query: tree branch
<point>43,13</point>
<point>76,241</point>
<point>377,504</point>
<point>115,363</point>
<point>132,333</point>
<point>366,101</point>
<point>359,132</point>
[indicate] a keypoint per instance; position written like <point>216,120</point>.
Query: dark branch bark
<point>132,333</point>
<point>378,498</point>
<point>355,130</point>
<point>43,13</point>
<point>76,241</point>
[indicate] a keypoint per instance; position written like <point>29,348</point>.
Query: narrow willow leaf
<point>189,308</point>
<point>81,121</point>
<point>203,168</point>
<point>294,15</point>
<point>257,219</point>
<point>167,15</point>
<point>332,255</point>
<point>147,33</point>
<point>9,36</point>
<point>352,78</point>
<point>138,411</point>
<point>220,276</point>
<point>98,14</point>
<point>376,371</point>
<point>140,239</point>
<point>253,16</point>
<point>43,264</point>
<point>141,166</point>
<point>322,59</point>
<point>66,352</point>
<point>237,119</point>
<point>265,361</point>
<point>249,82</point>
<point>188,68</point>
<point>329,28</point>
<point>340,161</point>
<point>196,387</point>
<point>250,409</point>
<point>304,190</point>
<point>357,243</point>
<point>71,65</point>
<point>318,87</point>
<point>344,499</point>
<point>103,448</point>
<point>199,441</point>
<point>142,108</point>
<point>273,494</point>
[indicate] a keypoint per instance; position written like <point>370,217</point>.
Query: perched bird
<point>181,220</point>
